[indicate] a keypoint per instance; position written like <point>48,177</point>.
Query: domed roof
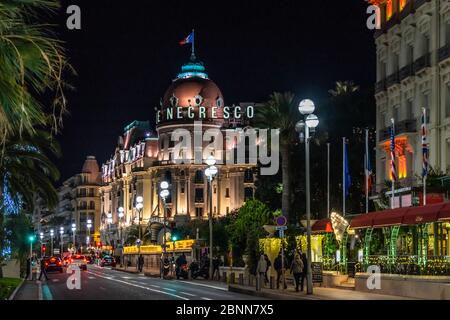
<point>90,165</point>
<point>193,88</point>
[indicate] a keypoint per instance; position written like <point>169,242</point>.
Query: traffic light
<point>44,248</point>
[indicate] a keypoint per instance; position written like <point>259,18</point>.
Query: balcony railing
<point>444,52</point>
<point>422,63</point>
<point>405,72</point>
<point>405,126</point>
<point>392,79</point>
<point>380,86</point>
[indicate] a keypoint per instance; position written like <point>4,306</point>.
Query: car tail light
<point>46,264</point>
<point>85,260</point>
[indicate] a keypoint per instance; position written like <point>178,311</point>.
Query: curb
<point>269,295</point>
<point>127,271</point>
<point>13,294</point>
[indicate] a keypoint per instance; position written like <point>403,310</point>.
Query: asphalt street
<point>105,284</point>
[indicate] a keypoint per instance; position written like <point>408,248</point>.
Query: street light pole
<point>139,207</point>
<point>210,172</point>
<point>164,193</point>
<point>52,233</point>
<point>74,228</point>
<point>308,126</point>
<point>121,215</point>
<point>61,232</point>
<point>41,235</point>
<point>89,226</point>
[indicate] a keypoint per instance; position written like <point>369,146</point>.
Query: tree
<point>280,112</point>
<point>246,228</point>
<point>32,64</point>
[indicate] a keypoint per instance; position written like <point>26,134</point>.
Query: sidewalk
<point>28,291</point>
<point>319,294</point>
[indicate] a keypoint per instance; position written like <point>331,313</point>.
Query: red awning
<point>363,221</point>
<point>422,214</point>
<point>444,212</point>
<point>323,225</point>
<point>388,218</point>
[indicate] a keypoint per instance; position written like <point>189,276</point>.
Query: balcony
<point>419,3</point>
<point>421,63</point>
<point>405,126</point>
<point>199,200</point>
<point>444,52</point>
<point>380,86</point>
<point>392,79</point>
<point>405,72</point>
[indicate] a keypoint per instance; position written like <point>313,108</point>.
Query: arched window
<point>248,175</point>
<point>199,176</point>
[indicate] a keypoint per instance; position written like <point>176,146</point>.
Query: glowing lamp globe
<point>139,199</point>
<point>210,161</point>
<point>312,121</point>
<point>164,185</point>
<point>306,106</point>
<point>164,193</point>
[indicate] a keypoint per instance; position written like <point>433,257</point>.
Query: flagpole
<point>328,180</point>
<point>193,44</point>
<point>393,159</point>
<point>343,176</point>
<point>366,171</point>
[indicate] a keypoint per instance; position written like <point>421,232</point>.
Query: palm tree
<point>32,64</point>
<point>343,88</point>
<point>280,112</point>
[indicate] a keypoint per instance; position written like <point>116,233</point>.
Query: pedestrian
<point>140,262</point>
<point>261,270</point>
<point>305,269</point>
<point>28,268</point>
<point>43,271</point>
<point>269,264</point>
<point>297,269</point>
<point>278,265</point>
<point>216,265</point>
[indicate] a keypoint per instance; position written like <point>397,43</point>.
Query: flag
<point>393,168</point>
<point>424,144</point>
<point>188,39</point>
<point>368,181</point>
<point>348,181</point>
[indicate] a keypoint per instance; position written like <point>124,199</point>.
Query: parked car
<point>79,260</point>
<point>108,261</point>
<point>53,264</point>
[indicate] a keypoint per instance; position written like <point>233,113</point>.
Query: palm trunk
<point>286,195</point>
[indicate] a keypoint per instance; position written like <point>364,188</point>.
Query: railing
<point>444,52</point>
<point>380,86</point>
<point>392,79</point>
<point>409,265</point>
<point>406,72</point>
<point>421,63</point>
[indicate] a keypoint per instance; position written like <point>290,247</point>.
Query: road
<point>105,284</point>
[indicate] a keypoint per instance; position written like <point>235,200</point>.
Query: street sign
<point>281,233</point>
<point>281,221</point>
<point>55,251</point>
<point>282,228</point>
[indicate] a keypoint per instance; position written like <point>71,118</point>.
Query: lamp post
<point>74,228</point>
<point>108,222</point>
<point>139,206</point>
<point>52,234</point>
<point>89,226</point>
<point>304,128</point>
<point>41,236</point>
<point>121,215</point>
<point>61,234</point>
<point>164,193</point>
<point>31,239</point>
<point>210,173</point>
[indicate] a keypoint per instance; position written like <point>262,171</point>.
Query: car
<point>53,264</point>
<point>108,261</point>
<point>66,261</point>
<point>89,259</point>
<point>79,260</point>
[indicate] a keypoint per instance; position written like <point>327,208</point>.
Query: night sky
<point>127,53</point>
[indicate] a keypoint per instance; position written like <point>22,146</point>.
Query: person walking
<point>216,265</point>
<point>297,270</point>
<point>140,262</point>
<point>278,265</point>
<point>43,271</point>
<point>269,264</point>
<point>261,270</point>
<point>305,269</point>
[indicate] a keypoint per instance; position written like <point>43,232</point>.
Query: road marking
<point>204,298</point>
<point>55,280</point>
<point>152,285</point>
<point>188,294</point>
<point>46,292</point>
<point>146,288</point>
<point>203,285</point>
<point>126,277</point>
<point>173,290</point>
<point>90,277</point>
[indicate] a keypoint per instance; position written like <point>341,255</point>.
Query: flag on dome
<point>188,39</point>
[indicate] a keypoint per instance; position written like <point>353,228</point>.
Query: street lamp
<point>121,215</point>
<point>52,233</point>
<point>89,226</point>
<point>74,228</point>
<point>304,128</point>
<point>61,233</point>
<point>164,193</point>
<point>31,238</point>
<point>210,173</point>
<point>108,223</point>
<point>139,206</point>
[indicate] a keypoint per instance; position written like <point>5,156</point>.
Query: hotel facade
<point>413,72</point>
<point>146,155</point>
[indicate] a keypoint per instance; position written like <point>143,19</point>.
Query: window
<point>227,192</point>
<point>426,45</point>
<point>447,32</point>
<point>198,212</point>
<point>248,175</point>
<point>198,176</point>
<point>426,104</point>
<point>91,192</point>
<point>248,193</point>
<point>403,4</point>
<point>215,209</point>
<point>199,195</point>
<point>410,54</point>
<point>92,205</point>
<point>396,114</point>
<point>215,189</point>
<point>389,9</point>
<point>182,190</point>
<point>409,110</point>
